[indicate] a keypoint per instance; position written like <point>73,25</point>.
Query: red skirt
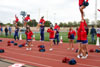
<point>98,35</point>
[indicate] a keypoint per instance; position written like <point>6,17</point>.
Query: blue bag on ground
<point>42,50</point>
<point>0,40</point>
<point>20,46</point>
<point>2,51</point>
<point>41,46</point>
<point>72,62</point>
<point>12,42</point>
<point>97,51</point>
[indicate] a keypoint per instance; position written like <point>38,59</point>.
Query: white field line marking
<point>25,61</point>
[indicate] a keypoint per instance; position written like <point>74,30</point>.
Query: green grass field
<point>37,37</point>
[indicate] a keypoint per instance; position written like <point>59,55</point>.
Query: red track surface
<point>48,58</point>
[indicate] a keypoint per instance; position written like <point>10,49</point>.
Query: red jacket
<point>81,2</point>
<point>16,19</point>
<point>51,33</point>
<point>27,18</point>
<point>56,27</point>
<point>71,32</point>
<point>29,34</point>
<point>42,21</point>
<point>81,33</point>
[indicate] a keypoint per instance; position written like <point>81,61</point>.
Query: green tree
<point>75,23</point>
<point>61,24</point>
<point>32,23</point>
<point>20,24</point>
<point>87,21</point>
<point>98,22</point>
<point>70,24</point>
<point>64,24</point>
<point>47,23</point>
<point>1,24</point>
<point>9,24</point>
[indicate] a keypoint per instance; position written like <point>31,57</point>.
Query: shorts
<point>51,39</point>
<point>72,37</point>
<point>16,22</point>
<point>25,21</point>
<point>55,29</point>
<point>84,4</point>
<point>40,23</point>
<point>98,35</point>
<point>82,41</point>
<point>28,40</point>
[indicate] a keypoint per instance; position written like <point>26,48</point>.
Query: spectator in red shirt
<point>29,34</point>
<point>16,21</point>
<point>83,4</point>
<point>71,37</point>
<point>41,22</point>
<point>51,37</point>
<point>27,18</point>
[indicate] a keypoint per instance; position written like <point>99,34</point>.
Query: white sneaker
<point>81,54</point>
<point>30,48</point>
<point>72,48</point>
<point>87,55</point>
<point>84,57</point>
<point>27,48</point>
<point>50,49</point>
<point>32,45</point>
<point>68,48</point>
<point>78,56</point>
<point>26,45</point>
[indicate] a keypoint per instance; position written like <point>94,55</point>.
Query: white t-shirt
<point>98,30</point>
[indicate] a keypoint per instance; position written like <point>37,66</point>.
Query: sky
<point>52,10</point>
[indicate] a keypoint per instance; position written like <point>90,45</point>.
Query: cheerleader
<point>71,37</point>
<point>51,37</point>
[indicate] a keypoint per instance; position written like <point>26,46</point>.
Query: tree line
<point>61,24</point>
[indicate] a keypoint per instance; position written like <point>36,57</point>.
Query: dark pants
<point>56,37</point>
<point>92,37</point>
<point>16,35</point>
<point>6,34</point>
<point>42,36</point>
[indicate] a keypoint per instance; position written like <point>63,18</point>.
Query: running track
<point>48,58</point>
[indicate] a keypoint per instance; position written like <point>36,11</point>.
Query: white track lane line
<point>25,61</point>
<point>51,59</point>
<point>55,54</point>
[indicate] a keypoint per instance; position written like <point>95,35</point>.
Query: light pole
<point>95,11</point>
<point>54,18</point>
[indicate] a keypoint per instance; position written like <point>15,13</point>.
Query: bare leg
<point>72,44</point>
<point>38,25</point>
<point>82,13</point>
<point>79,51</point>
<point>51,44</point>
